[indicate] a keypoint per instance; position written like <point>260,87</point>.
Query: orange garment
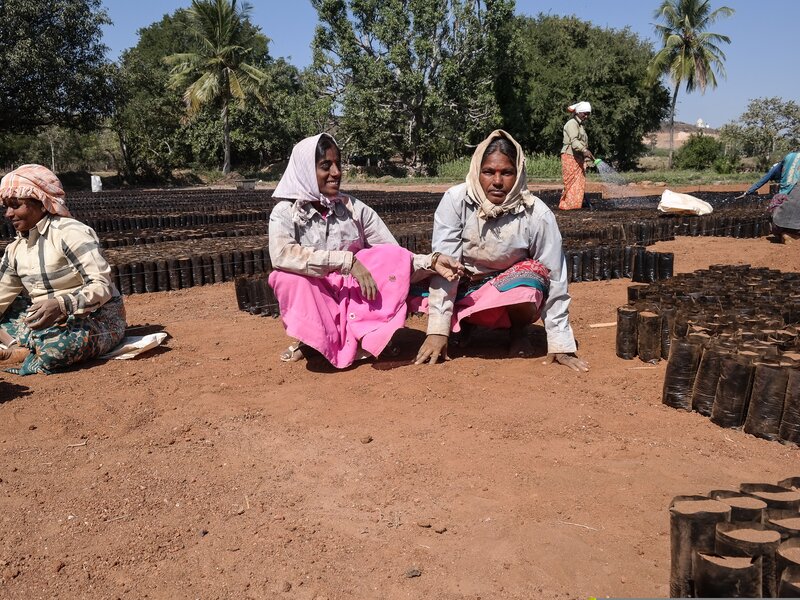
<point>574,174</point>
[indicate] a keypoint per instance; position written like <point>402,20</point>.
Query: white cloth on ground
<point>133,345</point>
<point>684,204</point>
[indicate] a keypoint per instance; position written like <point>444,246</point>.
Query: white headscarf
<point>299,181</point>
<point>518,195</point>
<point>580,107</point>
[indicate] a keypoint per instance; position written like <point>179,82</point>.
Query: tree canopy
<point>563,60</point>
<point>416,82</point>
<point>53,65</point>
<point>768,129</point>
<point>151,125</point>
<point>413,78</point>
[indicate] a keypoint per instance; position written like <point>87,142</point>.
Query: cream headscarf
<point>519,194</point>
<point>580,107</point>
<point>299,181</point>
<point>37,182</point>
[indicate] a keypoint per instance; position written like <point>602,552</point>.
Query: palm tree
<point>217,73</point>
<point>690,53</point>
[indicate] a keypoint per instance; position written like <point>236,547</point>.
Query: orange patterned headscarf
<point>37,182</point>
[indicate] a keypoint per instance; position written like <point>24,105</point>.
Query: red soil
<point>210,469</point>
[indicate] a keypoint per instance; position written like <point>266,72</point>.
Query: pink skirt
<point>488,306</point>
<point>332,316</point>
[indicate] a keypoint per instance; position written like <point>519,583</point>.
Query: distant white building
<point>700,124</point>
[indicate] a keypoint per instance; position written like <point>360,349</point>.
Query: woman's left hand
<point>567,359</point>
<point>44,314</point>
<point>448,267</point>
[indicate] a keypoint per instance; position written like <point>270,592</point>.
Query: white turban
<point>580,107</point>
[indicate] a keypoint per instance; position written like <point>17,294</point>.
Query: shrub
<point>699,152</point>
<point>539,166</point>
<point>725,165</point>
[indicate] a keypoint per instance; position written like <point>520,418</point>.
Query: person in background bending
<point>784,207</point>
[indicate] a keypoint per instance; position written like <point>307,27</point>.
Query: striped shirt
<point>58,258</point>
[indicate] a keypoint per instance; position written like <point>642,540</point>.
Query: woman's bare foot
<point>294,352</point>
<point>520,345</point>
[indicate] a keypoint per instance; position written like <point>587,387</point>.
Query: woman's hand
<point>434,347</point>
<point>568,360</point>
<point>369,288</point>
<point>448,267</point>
<point>44,314</point>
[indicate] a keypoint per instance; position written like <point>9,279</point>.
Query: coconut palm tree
<point>217,73</point>
<point>690,53</point>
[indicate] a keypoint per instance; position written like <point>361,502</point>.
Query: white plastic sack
<point>133,345</point>
<point>683,204</point>
<point>97,183</point>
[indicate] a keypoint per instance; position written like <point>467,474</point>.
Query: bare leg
<point>520,315</point>
<point>5,338</point>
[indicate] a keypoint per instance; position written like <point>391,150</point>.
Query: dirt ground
<point>212,470</point>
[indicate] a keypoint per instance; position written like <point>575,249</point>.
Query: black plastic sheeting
<point>684,357</point>
<point>766,401</point>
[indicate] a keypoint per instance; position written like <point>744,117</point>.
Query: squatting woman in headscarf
<point>340,278</point>
<point>784,207</point>
<point>510,246</point>
<point>574,153</point>
<point>72,312</point>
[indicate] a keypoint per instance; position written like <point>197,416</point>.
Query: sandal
<point>294,352</point>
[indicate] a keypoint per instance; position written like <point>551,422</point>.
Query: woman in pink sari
<point>340,278</point>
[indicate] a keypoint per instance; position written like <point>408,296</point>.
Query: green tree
<point>768,129</point>
<point>699,152</point>
<point>413,77</point>
<point>690,53</point>
<point>52,64</point>
<point>218,73</point>
<point>147,114</point>
<point>154,138</point>
<point>563,60</point>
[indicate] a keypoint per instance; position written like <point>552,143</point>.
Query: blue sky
<point>760,58</point>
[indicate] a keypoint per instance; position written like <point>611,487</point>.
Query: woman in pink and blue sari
<point>510,245</point>
<point>340,277</point>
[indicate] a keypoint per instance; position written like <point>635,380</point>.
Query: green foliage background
<point>406,86</point>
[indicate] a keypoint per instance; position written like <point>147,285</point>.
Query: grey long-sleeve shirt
<point>323,245</point>
<point>493,245</point>
<point>575,138</point>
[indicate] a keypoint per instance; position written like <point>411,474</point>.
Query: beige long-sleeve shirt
<point>493,245</point>
<point>575,138</point>
<point>322,245</point>
<point>58,258</point>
